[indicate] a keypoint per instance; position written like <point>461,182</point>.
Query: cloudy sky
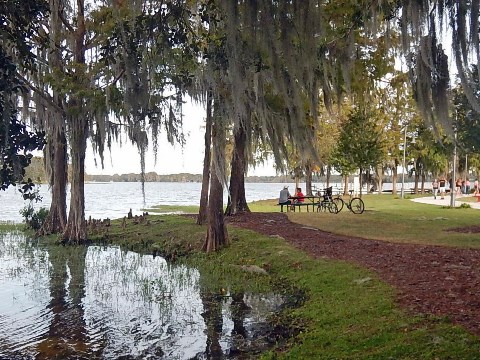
<point>170,159</point>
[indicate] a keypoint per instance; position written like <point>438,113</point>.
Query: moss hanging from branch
<point>422,27</point>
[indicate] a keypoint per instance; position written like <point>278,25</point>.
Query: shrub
<point>34,219</point>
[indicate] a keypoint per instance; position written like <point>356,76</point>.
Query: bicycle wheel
<point>339,202</point>
<point>332,207</point>
<point>357,206</point>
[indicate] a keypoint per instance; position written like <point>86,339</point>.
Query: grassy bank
<point>347,313</point>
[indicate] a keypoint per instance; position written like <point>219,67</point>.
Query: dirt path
<point>430,279</point>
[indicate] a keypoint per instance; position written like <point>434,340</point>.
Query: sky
<point>171,159</point>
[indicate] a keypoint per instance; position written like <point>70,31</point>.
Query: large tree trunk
<point>56,149</point>
<point>217,235</point>
<point>56,220</point>
<point>379,178</point>
<point>237,202</point>
<point>202,212</point>
<point>76,231</point>
<point>216,230</point>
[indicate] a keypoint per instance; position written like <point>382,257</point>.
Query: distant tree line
<point>36,172</point>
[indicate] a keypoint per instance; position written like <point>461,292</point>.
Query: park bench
<point>312,201</point>
<point>300,205</point>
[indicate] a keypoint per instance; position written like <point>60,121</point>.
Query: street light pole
<point>452,191</point>
<point>403,165</point>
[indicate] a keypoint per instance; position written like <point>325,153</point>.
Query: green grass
<point>8,226</point>
<point>171,236</point>
<point>172,209</point>
<point>393,219</point>
<point>344,311</point>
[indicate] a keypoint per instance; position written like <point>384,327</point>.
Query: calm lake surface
<point>105,303</point>
<point>115,199</point>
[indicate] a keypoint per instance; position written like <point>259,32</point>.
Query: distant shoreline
<point>180,178</point>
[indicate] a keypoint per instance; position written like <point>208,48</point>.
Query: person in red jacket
<point>299,195</point>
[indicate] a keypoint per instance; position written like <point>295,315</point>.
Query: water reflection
<point>105,303</point>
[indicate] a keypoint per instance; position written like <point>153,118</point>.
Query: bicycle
<point>354,204</point>
<point>327,202</point>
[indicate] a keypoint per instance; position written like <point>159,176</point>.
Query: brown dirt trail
<point>436,280</point>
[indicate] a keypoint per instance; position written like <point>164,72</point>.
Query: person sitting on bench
<point>283,199</point>
<point>299,196</point>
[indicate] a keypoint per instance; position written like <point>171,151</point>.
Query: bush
<point>34,219</point>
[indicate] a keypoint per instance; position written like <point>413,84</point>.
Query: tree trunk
<point>56,220</point>
<point>423,183</point>
<point>76,230</point>
<point>217,235</point>
<point>329,173</point>
<point>345,185</point>
<point>308,179</point>
<point>417,178</point>
<point>237,203</point>
<point>379,178</point>
<point>202,212</point>
<point>394,180</point>
<point>56,149</point>
<point>360,181</point>
<point>297,180</point>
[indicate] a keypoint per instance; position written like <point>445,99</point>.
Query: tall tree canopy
<point>19,24</point>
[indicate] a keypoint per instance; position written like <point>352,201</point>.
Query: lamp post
<point>403,165</point>
<point>466,171</point>
<point>452,191</point>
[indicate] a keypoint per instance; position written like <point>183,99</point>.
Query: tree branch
<point>42,94</point>
<point>65,21</point>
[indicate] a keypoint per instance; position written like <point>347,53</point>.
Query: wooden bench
<point>298,206</point>
<point>306,204</point>
<point>309,200</point>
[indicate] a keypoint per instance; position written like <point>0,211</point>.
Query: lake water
<point>105,303</point>
<point>115,199</point>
